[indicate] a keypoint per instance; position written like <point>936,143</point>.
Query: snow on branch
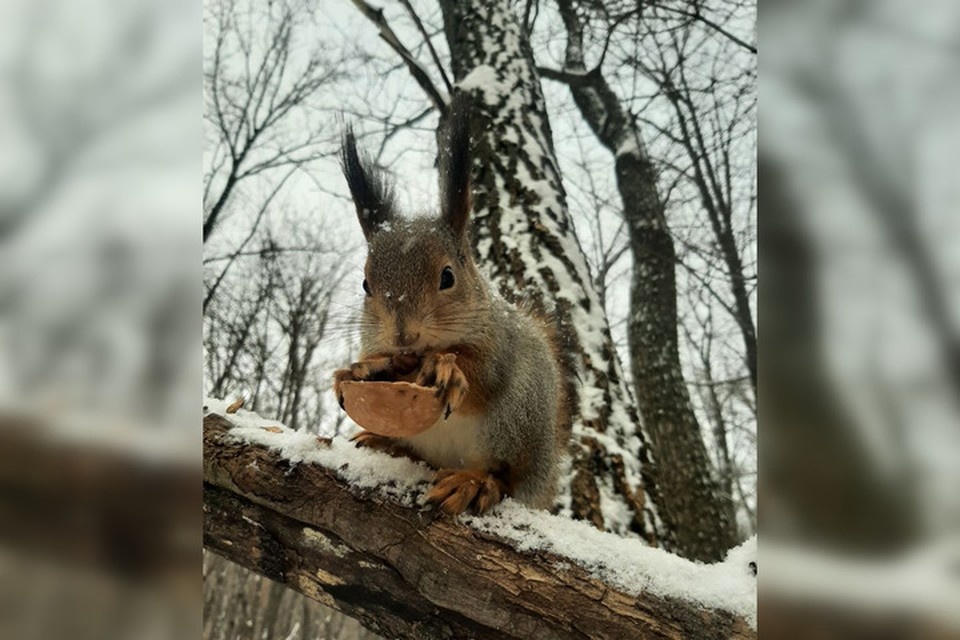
<point>346,527</point>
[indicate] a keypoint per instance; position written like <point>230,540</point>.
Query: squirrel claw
<point>368,440</point>
<point>450,384</point>
<point>457,491</point>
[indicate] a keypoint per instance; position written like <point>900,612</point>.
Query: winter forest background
<point>652,124</point>
<point>101,289</point>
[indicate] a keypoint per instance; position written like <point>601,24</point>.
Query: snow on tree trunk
<point>524,238</point>
<point>691,501</point>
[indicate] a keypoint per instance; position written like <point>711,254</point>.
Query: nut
<point>391,409</point>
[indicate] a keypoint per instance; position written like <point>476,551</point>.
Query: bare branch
<point>416,70</point>
<point>697,16</point>
<point>429,42</point>
<point>248,99</point>
<point>264,207</point>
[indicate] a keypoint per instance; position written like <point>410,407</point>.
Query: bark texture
<point>239,604</point>
<point>524,237</point>
<point>407,574</point>
<point>692,503</point>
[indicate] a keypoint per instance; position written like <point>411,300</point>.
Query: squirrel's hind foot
<point>457,491</point>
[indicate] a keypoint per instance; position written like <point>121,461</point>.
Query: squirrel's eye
<point>366,287</point>
<point>446,278</point>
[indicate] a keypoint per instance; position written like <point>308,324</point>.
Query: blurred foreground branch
<point>98,507</point>
<point>406,574</point>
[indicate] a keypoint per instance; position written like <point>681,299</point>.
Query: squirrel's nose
<point>406,338</point>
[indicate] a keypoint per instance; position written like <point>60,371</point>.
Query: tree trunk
<point>692,502</point>
<point>407,574</point>
<point>525,239</point>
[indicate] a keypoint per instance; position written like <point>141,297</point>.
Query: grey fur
<point>522,418</point>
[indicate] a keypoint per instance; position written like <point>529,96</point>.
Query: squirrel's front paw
<point>442,372</point>
<point>457,491</point>
<point>368,440</point>
<point>370,368</point>
<point>358,371</point>
<point>339,377</point>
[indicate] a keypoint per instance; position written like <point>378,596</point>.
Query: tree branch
<point>419,73</point>
<point>96,505</point>
<point>404,573</point>
<point>264,207</point>
<point>429,42</point>
<point>699,17</point>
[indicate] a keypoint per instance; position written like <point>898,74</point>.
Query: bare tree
<point>712,116</point>
<point>304,310</point>
<point>262,334</point>
<point>726,409</point>
<point>265,298</point>
<point>257,83</point>
<point>695,506</point>
<point>231,326</point>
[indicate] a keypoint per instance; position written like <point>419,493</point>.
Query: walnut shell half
<point>392,409</point>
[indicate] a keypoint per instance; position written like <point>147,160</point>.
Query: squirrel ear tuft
<point>454,161</point>
<point>372,193</point>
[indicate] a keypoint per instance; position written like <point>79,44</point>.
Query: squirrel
<point>497,368</point>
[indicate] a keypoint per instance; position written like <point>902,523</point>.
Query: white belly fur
<point>454,442</point>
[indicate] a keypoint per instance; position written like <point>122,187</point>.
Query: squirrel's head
<point>423,289</point>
